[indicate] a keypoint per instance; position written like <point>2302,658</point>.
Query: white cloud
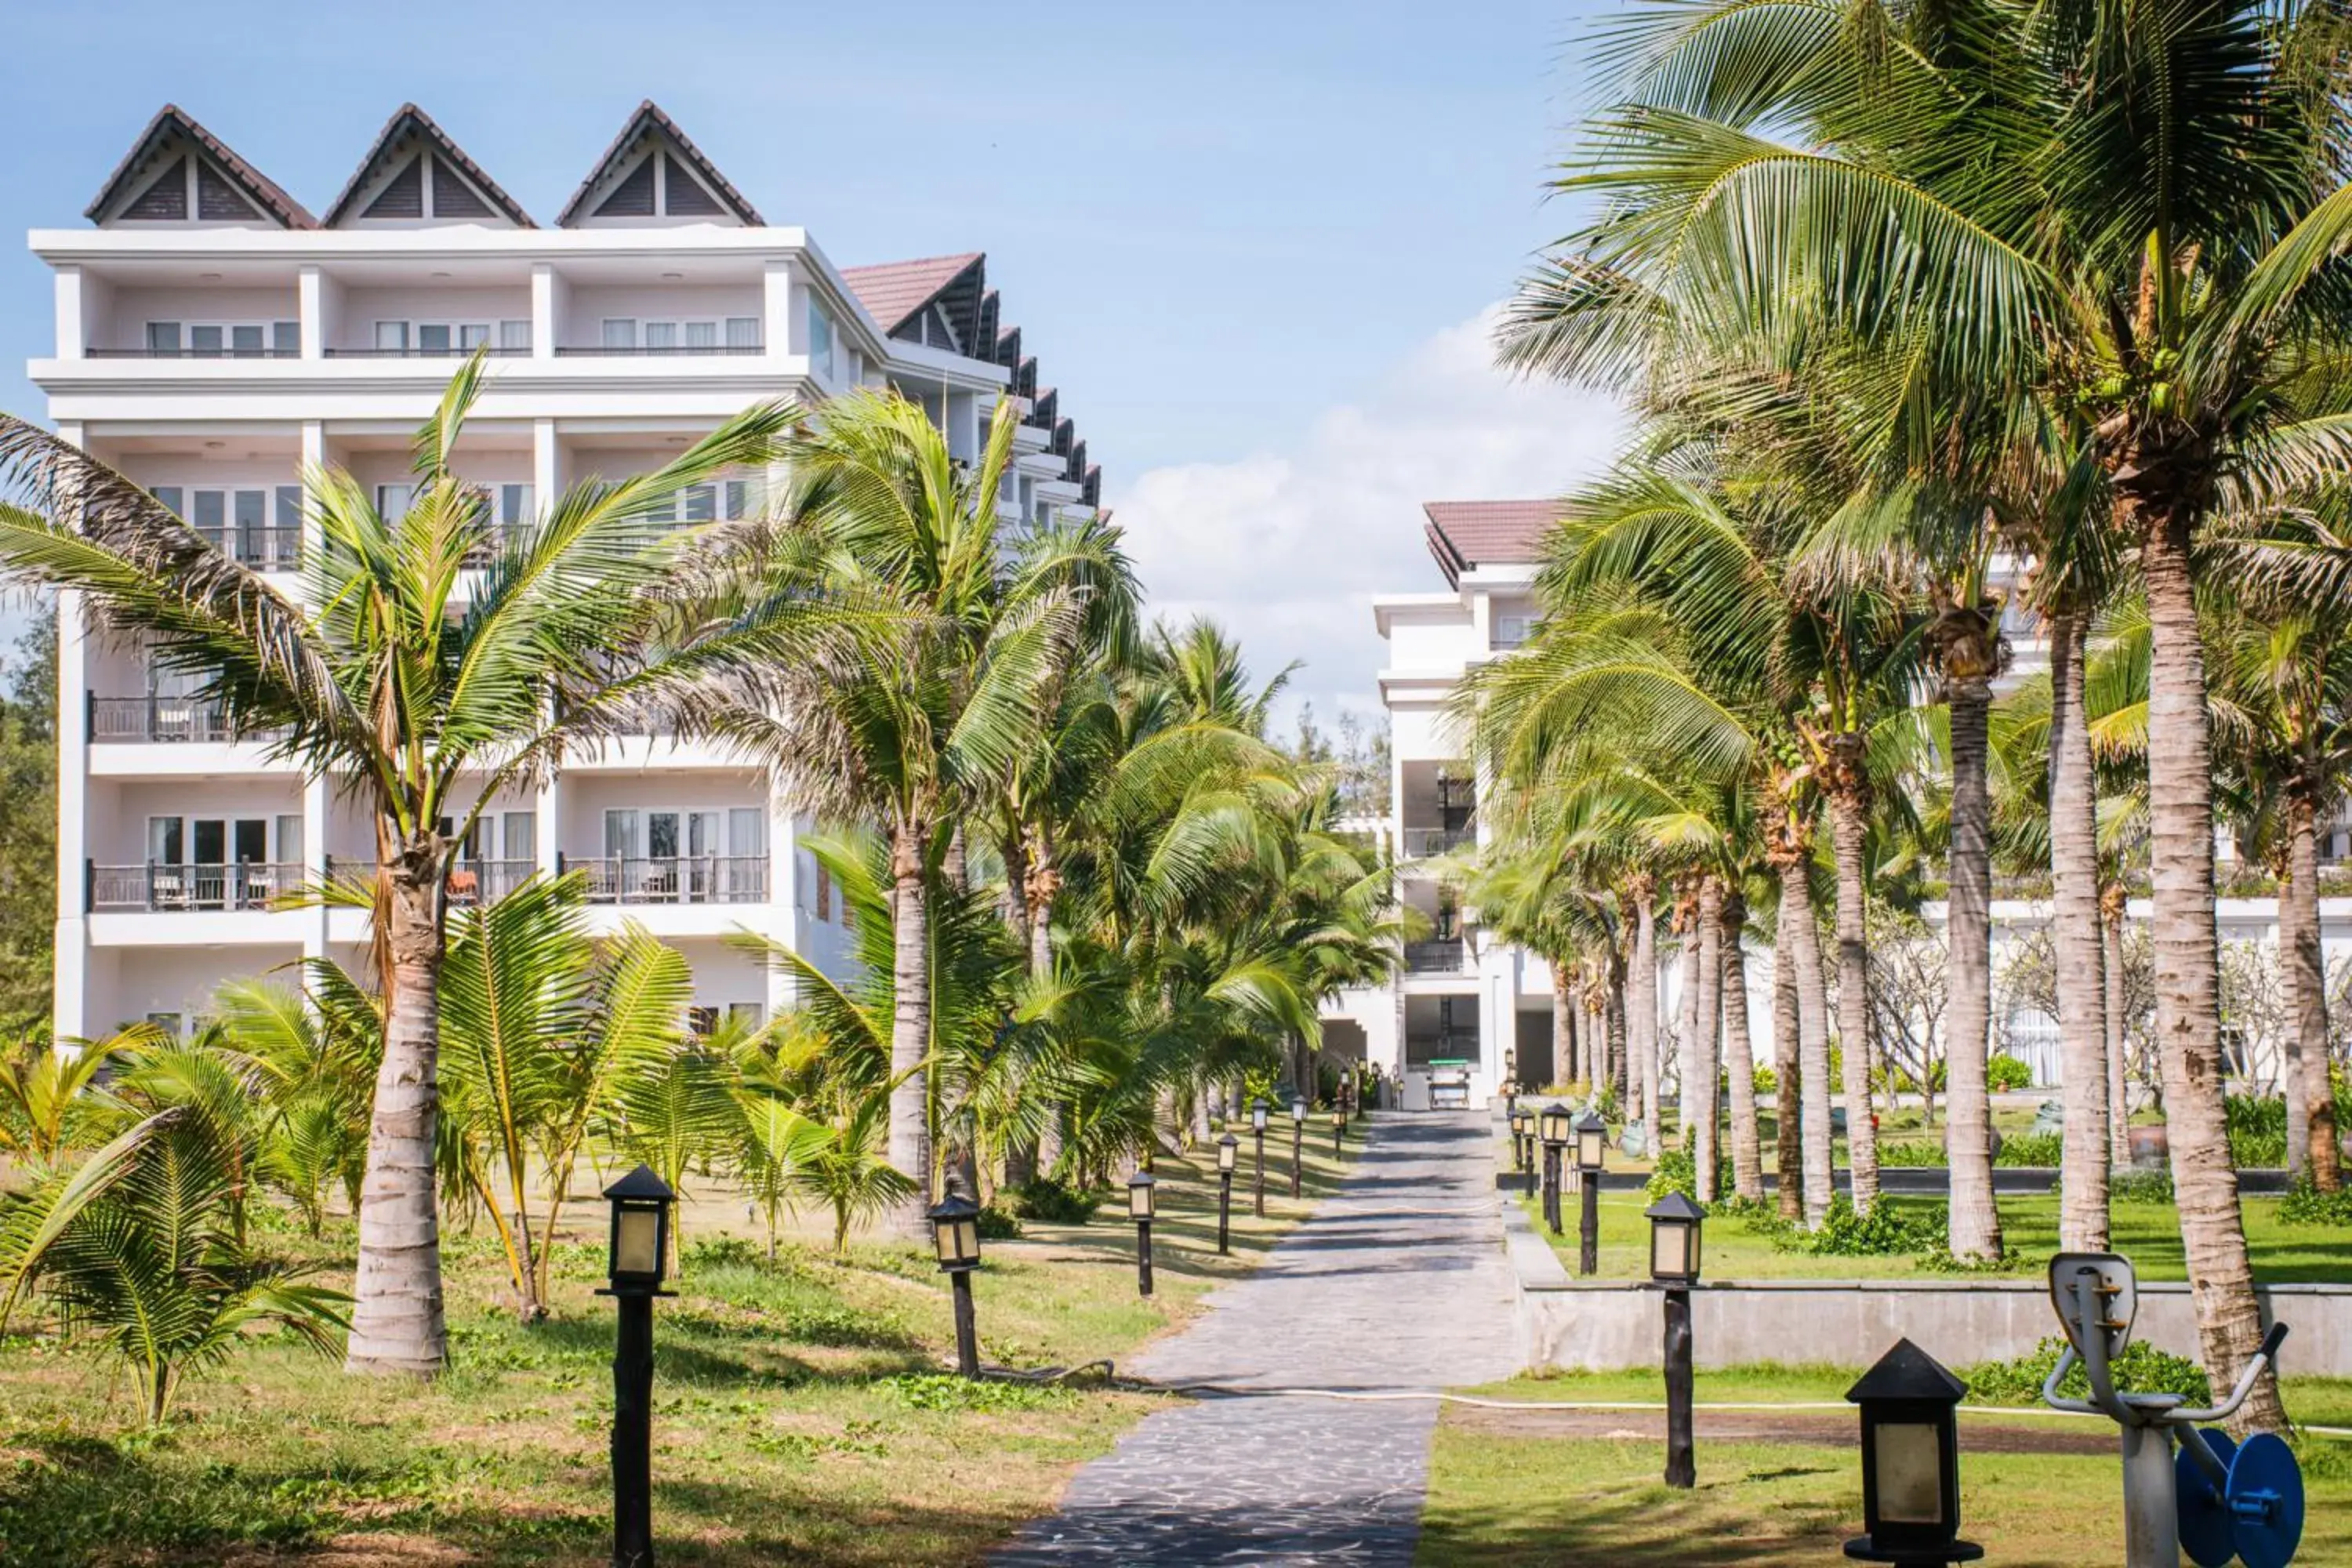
<point>1288,550</point>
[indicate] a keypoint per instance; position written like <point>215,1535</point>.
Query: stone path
<point>1396,1282</point>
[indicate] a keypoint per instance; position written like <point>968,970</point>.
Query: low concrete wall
<point>1572,1324</point>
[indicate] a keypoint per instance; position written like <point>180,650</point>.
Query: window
<point>218,340</point>
<point>519,835</point>
<point>170,1023</point>
<point>515,336</point>
<point>1511,631</point>
<point>392,337</point>
<point>163,337</point>
<point>514,505</point>
<point>820,332</point>
<point>749,1014</point>
<point>620,333</point>
<point>393,501</point>
<point>290,840</point>
<point>703,1021</point>
<point>742,332</point>
<point>286,339</point>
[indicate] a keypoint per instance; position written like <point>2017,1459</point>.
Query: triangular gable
<point>178,171</point>
<point>652,174</point>
<point>416,173</point>
<point>939,300</point>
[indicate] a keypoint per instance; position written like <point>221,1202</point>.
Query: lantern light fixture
<point>1228,1150</point>
<point>1557,1121</point>
<point>1592,1142</point>
<point>1257,1115</point>
<point>955,1231</point>
<point>638,1254</point>
<point>1298,1108</point>
<point>1139,1195</point>
<point>1910,1461</point>
<point>1675,1224</point>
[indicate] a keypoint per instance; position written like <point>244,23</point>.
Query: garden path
<point>1396,1283</point>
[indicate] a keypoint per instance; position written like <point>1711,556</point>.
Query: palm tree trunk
<point>2310,1098</point>
<point>1614,1031</point>
<point>396,1317</point>
<point>1644,1034</point>
<point>909,1148</point>
<point>1848,834</point>
<point>1968,1018</point>
<point>2113,905</point>
<point>2085,1157</point>
<point>1702,1057</point>
<point>1685,1031</point>
<point>1739,1055</point>
<point>2187,980</point>
<point>1788,1147</point>
<point>1801,930</point>
<point>1563,1026</point>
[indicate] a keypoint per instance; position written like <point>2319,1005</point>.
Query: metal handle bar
<point>2253,1370</point>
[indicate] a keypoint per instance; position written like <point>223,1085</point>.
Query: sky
<point>1258,246</point>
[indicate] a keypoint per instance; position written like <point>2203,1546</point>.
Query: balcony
<point>163,721</point>
<point>1447,955</point>
<point>676,879</point>
<point>265,352</point>
<point>262,546</point>
<point>494,352</point>
<point>473,883</point>
<point>669,351</point>
<point>247,885</point>
<point>1420,843</point>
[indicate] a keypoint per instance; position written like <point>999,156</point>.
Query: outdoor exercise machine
<point>2213,1497</point>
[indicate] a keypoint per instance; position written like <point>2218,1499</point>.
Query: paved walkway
<point>1396,1282</point>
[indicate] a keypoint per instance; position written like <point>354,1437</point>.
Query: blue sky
<point>1246,240</point>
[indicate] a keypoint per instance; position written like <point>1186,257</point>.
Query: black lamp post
<point>1910,1461</point>
<point>636,1260</point>
<point>1228,1147</point>
<point>955,1230</point>
<point>1554,1122</point>
<point>1591,1154</point>
<point>1523,1138</point>
<point>1138,1209</point>
<point>1338,1126</point>
<point>1510,1102</point>
<point>1258,1130</point>
<point>1297,1138</point>
<point>1673,1263</point>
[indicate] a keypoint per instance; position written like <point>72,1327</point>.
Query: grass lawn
<point>2148,1234</point>
<point>1542,1487</point>
<point>800,1413</point>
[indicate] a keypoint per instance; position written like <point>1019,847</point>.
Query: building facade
<point>214,341</point>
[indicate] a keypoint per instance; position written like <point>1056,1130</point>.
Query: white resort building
<point>212,337</point>
<point>1464,1005</point>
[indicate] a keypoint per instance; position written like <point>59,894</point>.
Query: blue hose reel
<point>2256,1516</point>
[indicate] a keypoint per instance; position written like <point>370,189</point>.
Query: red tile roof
<point>1466,533</point>
<point>264,191</point>
<point>894,290</point>
<point>404,119</point>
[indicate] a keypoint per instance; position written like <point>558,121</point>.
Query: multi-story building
<point>213,337</point>
<point>1464,1004</point>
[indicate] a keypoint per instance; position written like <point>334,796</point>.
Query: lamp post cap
<point>955,1206</point>
<point>1141,1178</point>
<point>1674,1205</point>
<point>1591,1123</point>
<point>1907,1372</point>
<point>1230,1141</point>
<point>641,1185</point>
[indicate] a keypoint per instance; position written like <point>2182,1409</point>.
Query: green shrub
<point>2031,1149</point>
<point>1677,1171</point>
<point>2257,1130</point>
<point>1890,1229</point>
<point>2005,1073</point>
<point>2141,1186</point>
<point>846,1328</point>
<point>1767,1083</point>
<point>942,1391</point>
<point>1049,1201</point>
<point>2306,1204</point>
<point>723,1252</point>
<point>1911,1155</point>
<point>2141,1369</point>
<point>999,1224</point>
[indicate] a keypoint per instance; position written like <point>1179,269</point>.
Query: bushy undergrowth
<point>2306,1204</point>
<point>997,1224</point>
<point>2042,1150</point>
<point>1049,1201</point>
<point>1677,1171</point>
<point>2006,1074</point>
<point>2257,1130</point>
<point>2141,1186</point>
<point>1889,1230</point>
<point>940,1391</point>
<point>2141,1369</point>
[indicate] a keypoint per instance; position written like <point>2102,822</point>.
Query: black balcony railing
<point>192,353</point>
<point>477,882</point>
<point>265,547</point>
<point>1424,841</point>
<point>691,351</point>
<point>493,350</point>
<point>1449,955</point>
<point>676,879</point>
<point>246,885</point>
<point>138,721</point>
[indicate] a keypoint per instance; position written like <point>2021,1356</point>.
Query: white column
<point>70,974</point>
<point>784,919</point>
<point>311,306</point>
<point>546,301</point>
<point>546,809</point>
<point>73,335</point>
<point>546,478</point>
<point>314,865</point>
<point>785,308</point>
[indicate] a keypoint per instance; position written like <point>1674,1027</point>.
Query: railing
<point>1424,841</point>
<point>689,350</point>
<point>247,885</point>
<point>162,721</point>
<point>192,353</point>
<point>1448,956</point>
<point>266,546</point>
<point>676,879</point>
<point>493,350</point>
<point>477,882</point>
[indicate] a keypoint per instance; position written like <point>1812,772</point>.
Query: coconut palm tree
<point>424,689</point>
